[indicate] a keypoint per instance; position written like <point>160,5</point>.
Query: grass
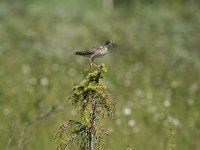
<point>153,74</point>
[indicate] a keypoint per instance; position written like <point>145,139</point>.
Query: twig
<point>10,136</point>
<point>46,114</point>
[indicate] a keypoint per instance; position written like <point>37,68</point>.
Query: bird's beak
<point>114,45</point>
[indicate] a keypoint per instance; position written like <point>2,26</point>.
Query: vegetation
<point>93,104</point>
<point>153,74</point>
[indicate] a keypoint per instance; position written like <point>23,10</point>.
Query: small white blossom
<point>127,111</point>
<point>131,123</point>
<point>167,103</point>
<point>26,69</point>
<point>170,119</point>
<point>44,81</point>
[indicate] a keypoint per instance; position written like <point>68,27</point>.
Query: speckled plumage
<point>97,51</point>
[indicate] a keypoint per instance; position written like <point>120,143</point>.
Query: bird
<point>96,52</point>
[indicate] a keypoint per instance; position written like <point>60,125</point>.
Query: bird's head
<point>110,43</point>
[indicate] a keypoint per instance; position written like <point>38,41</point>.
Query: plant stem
<point>92,124</point>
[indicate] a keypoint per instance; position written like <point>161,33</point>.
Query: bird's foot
<point>92,64</point>
<point>95,65</point>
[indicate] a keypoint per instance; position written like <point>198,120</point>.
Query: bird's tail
<point>82,53</point>
<point>78,53</point>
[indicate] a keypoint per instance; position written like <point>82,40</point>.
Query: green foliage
<point>153,74</point>
<point>92,86</point>
<point>93,103</point>
<point>72,131</point>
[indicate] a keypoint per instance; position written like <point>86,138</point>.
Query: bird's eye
<point>109,43</point>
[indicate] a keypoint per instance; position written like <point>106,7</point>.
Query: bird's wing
<point>94,49</point>
<point>89,52</point>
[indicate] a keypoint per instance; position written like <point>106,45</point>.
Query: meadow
<point>153,74</point>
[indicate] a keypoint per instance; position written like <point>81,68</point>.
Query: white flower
<point>131,123</point>
<point>167,103</point>
<point>26,69</point>
<point>44,81</point>
<point>171,119</point>
<point>176,122</point>
<point>127,111</point>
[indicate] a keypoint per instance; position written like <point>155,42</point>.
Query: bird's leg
<point>91,62</point>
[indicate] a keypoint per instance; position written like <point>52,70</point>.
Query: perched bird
<point>97,51</point>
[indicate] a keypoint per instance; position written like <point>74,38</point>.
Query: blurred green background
<point>154,73</point>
